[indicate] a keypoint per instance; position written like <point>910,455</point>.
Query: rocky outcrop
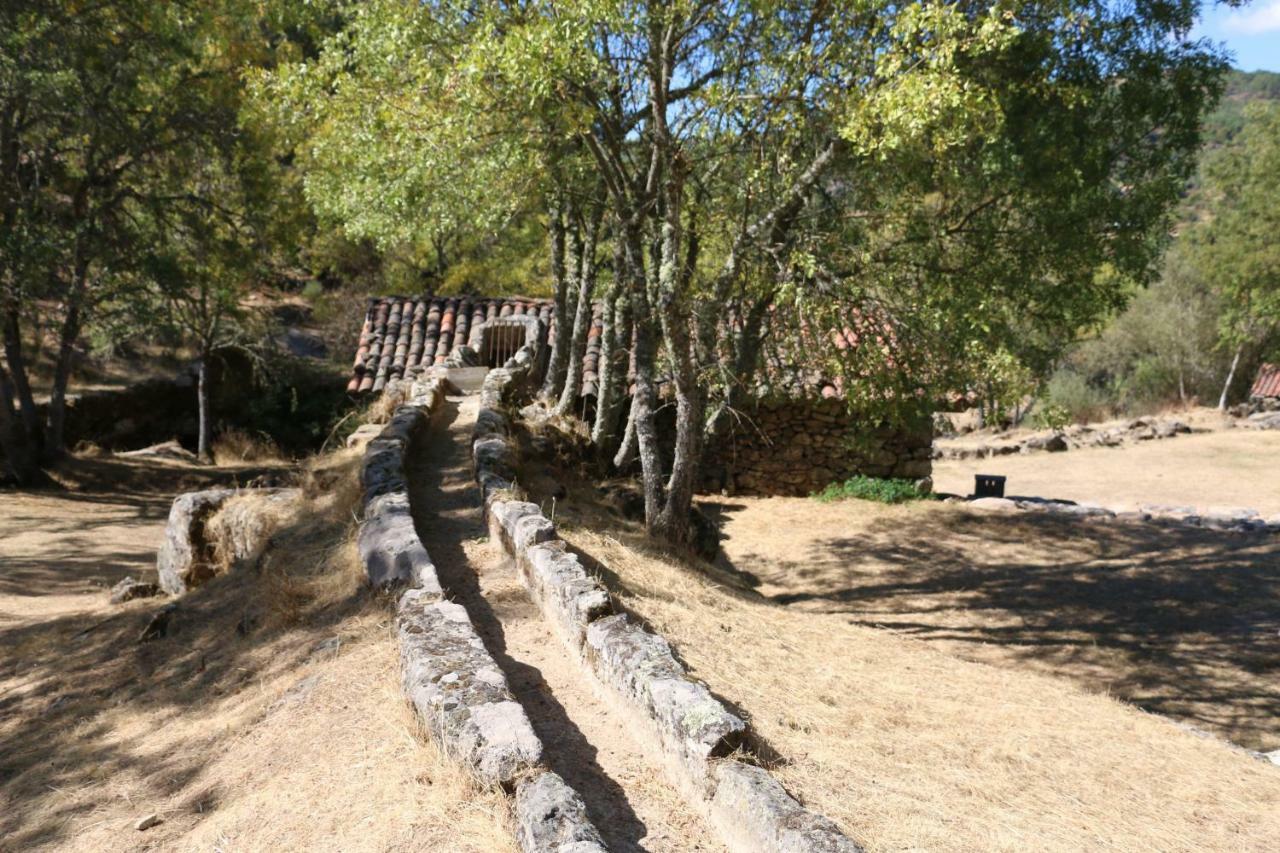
<point>1262,420</point>
<point>239,530</point>
<point>184,559</point>
<point>1234,520</point>
<point>130,589</point>
<point>213,530</point>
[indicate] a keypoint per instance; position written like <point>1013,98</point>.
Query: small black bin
<point>988,486</point>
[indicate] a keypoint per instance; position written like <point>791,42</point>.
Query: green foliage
<point>881,490</point>
<point>1069,392</point>
<point>1053,416</point>
<point>1236,251</point>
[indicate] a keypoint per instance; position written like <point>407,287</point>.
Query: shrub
<point>1069,392</point>
<point>886,490</point>
<point>1052,416</point>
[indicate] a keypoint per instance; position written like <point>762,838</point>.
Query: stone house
<point>1264,396</point>
<point>792,441</point>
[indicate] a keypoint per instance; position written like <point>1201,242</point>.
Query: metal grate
<point>500,342</point>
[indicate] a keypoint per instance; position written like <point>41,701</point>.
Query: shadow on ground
<point>1179,621</point>
<point>83,702</point>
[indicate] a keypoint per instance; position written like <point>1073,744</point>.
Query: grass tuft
<point>886,490</point>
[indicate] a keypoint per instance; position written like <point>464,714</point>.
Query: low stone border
<point>551,817</point>
<point>695,733</point>
<point>455,686</point>
<point>1232,521</point>
<point>1072,437</point>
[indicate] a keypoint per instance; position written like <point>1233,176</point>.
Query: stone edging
<point>695,733</point>
<point>1232,521</point>
<point>456,688</point>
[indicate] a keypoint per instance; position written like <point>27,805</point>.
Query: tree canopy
<point>920,182</point>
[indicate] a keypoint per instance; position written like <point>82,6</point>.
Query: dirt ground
<point>907,743</point>
<point>1222,468</point>
<point>269,718</point>
<point>1179,621</point>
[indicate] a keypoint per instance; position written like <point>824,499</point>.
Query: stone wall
<point>796,446</point>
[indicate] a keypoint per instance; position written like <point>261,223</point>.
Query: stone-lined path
<point>585,741</point>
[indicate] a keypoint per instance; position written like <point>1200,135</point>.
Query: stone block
<point>551,818</point>
<point>569,597</point>
<point>518,524</point>
<point>691,725</point>
<point>183,558</point>
<point>364,434</point>
<point>460,694</point>
<point>994,505</point>
<point>753,810</point>
<point>494,455</point>
<point>391,551</point>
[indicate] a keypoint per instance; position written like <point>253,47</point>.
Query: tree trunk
<point>615,359</point>
<point>672,523</point>
<point>582,318</point>
<point>204,411</point>
<point>1231,377</point>
<point>741,370</point>
<point>642,400</point>
<point>18,375</point>
<point>55,430</point>
<point>559,347</point>
<point>20,457</point>
<point>642,414</point>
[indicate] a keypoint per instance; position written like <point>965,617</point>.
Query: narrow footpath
<point>584,740</point>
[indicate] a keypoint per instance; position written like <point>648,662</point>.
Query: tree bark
<point>559,347</point>
<point>204,411</point>
<point>582,317</point>
<point>55,429</point>
<point>19,454</point>
<point>615,358</point>
<point>672,523</point>
<point>18,375</point>
<point>1231,377</point>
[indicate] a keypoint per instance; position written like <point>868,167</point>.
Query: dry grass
<point>1222,468</point>
<point>1178,621</point>
<point>910,748</point>
<point>269,718</point>
<point>237,446</point>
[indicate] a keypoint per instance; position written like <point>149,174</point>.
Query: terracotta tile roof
<point>1267,384</point>
<point>404,332</point>
<point>401,333</point>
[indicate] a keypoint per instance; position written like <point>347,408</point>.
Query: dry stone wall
<point>799,445</point>
<point>695,735</point>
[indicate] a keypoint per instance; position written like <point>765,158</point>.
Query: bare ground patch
<point>1180,621</point>
<point>269,717</point>
<point>1220,468</point>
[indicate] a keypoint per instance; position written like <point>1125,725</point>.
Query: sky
<point>1251,33</point>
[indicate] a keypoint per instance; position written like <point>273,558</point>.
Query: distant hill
<point>1243,87</point>
<point>1221,127</point>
